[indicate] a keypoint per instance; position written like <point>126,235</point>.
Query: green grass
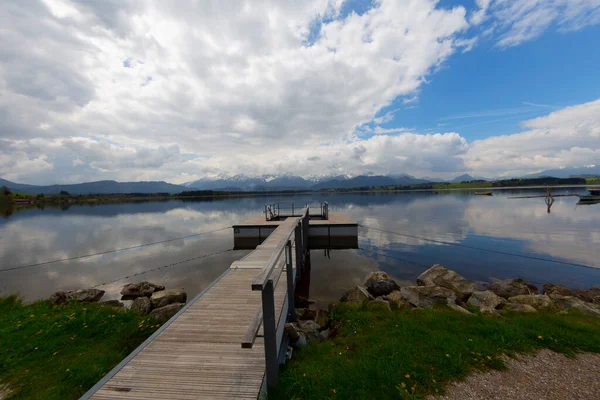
<point>59,352</point>
<point>592,181</point>
<point>383,355</point>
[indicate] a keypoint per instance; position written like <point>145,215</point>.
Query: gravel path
<point>545,375</point>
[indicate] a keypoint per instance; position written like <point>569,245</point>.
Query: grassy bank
<point>59,352</point>
<point>410,354</point>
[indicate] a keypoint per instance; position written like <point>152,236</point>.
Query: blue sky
<point>489,90</point>
<point>179,91</point>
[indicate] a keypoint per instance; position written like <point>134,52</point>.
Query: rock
<point>297,339</point>
<point>86,295</point>
<point>379,284</point>
<point>486,300</point>
<point>58,298</point>
<point>140,289</point>
<point>397,301</point>
<point>379,302</point>
<point>325,334</point>
<point>508,306</point>
<point>141,305</point>
<point>592,295</point>
<point>570,302</point>
<point>358,295</point>
<point>512,287</point>
<point>537,301</point>
<point>552,289</point>
<point>112,303</point>
<point>163,314</point>
<point>427,296</point>
<point>444,277</point>
<point>310,329</point>
<point>458,308</point>
<point>302,302</point>
<point>322,318</point>
<point>303,314</point>
<point>166,297</point>
<point>82,296</point>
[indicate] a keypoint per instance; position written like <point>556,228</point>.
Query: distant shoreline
<point>25,202</point>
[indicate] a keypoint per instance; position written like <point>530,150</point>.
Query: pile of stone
<point>312,324</point>
<point>148,298</point>
<point>439,285</point>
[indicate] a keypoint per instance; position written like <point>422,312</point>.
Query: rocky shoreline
<point>439,286</point>
<point>147,299</point>
<point>434,287</point>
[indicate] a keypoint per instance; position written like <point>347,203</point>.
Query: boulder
<point>592,295</point>
<point>570,302</point>
<point>132,290</point>
<point>512,287</point>
<point>141,305</point>
<point>397,301</point>
<point>322,318</point>
<point>325,334</point>
<point>380,302</point>
<point>444,277</point>
<point>427,296</point>
<point>537,301</point>
<point>310,330</point>
<point>551,289</point>
<point>58,298</point>
<point>358,295</point>
<point>508,306</point>
<point>379,284</point>
<point>163,314</point>
<point>486,300</point>
<point>297,339</point>
<point>303,314</point>
<point>458,308</point>
<point>82,296</point>
<point>112,303</point>
<point>86,295</point>
<point>166,297</point>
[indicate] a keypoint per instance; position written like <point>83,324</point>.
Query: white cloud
<point>517,21</point>
<point>146,90</point>
<point>570,136</point>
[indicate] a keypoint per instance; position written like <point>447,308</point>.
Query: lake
<point>456,221</point>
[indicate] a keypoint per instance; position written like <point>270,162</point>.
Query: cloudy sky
<point>176,91</point>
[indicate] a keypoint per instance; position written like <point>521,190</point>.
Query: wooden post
<point>290,280</point>
<point>270,332</point>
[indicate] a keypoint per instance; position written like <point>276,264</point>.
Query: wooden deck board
<point>199,354</point>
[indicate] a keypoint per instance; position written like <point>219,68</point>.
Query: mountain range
<point>568,172</point>
<point>240,183</point>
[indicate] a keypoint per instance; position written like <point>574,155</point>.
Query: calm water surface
<point>569,233</point>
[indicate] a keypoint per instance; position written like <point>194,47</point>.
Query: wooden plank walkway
<point>198,354</point>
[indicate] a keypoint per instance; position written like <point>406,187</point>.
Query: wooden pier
<point>228,342</point>
<point>327,230</point>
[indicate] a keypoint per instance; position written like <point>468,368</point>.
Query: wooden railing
<point>266,282</point>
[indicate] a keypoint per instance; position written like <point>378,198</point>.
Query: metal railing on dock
<point>277,211</point>
<point>294,243</point>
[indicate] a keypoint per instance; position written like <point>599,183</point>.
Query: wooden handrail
<point>262,278</point>
<point>266,282</point>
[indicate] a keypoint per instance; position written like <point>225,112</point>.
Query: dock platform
<point>337,232</point>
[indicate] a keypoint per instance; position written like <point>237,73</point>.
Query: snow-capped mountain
<point>294,182</point>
